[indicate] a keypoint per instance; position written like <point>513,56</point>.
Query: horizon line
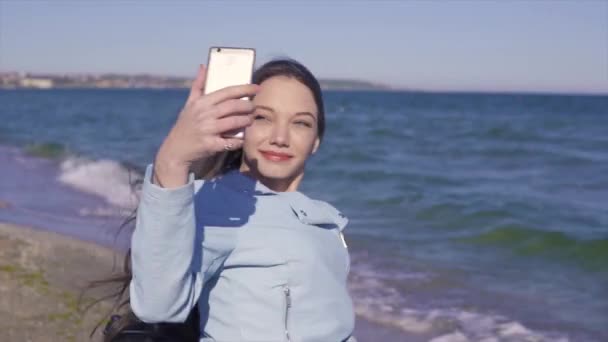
<point>387,87</point>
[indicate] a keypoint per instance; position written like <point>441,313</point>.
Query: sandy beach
<point>41,277</point>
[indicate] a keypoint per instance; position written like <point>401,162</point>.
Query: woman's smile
<point>275,156</point>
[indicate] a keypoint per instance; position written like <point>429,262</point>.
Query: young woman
<point>222,227</point>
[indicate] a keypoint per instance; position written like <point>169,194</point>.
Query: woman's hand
<point>197,133</point>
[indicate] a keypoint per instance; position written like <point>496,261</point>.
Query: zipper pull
<point>288,296</point>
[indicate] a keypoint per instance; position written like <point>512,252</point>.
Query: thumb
<point>198,85</point>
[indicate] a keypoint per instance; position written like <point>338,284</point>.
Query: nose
<point>280,135</point>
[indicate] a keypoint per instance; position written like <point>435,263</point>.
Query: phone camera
<point>219,49</point>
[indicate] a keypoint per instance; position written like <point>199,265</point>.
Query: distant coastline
<point>23,80</point>
<point>27,80</point>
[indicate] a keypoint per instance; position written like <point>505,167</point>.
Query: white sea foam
<point>108,211</point>
<point>454,325</point>
<point>452,337</point>
<point>106,178</point>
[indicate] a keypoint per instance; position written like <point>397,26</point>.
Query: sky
<point>529,46</point>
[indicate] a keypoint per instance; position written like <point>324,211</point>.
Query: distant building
<point>104,84</point>
<point>41,83</point>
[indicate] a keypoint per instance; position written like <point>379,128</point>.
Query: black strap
<point>138,331</point>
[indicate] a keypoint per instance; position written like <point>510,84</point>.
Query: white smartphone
<point>228,66</point>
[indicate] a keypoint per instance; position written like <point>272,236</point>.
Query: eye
<point>260,117</point>
<point>303,123</point>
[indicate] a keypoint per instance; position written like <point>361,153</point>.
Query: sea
<point>473,216</point>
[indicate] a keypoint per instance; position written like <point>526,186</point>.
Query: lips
<point>275,156</point>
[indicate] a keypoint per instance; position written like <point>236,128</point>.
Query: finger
<point>232,92</point>
<point>198,85</point>
<point>231,107</point>
<point>231,123</point>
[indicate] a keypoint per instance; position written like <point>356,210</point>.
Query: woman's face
<point>283,134</point>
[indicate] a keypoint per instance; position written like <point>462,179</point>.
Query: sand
<point>41,277</point>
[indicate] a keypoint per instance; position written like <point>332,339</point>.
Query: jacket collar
<point>307,210</point>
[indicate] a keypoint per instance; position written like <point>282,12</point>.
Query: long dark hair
<point>121,316</point>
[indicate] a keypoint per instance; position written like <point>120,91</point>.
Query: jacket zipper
<point>287,307</point>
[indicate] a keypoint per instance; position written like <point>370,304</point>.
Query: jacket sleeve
<point>168,260</point>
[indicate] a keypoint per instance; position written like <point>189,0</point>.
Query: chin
<point>276,171</point>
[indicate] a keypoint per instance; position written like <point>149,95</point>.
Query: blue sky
<point>555,46</point>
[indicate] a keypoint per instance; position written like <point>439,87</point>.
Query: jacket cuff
<point>171,196</point>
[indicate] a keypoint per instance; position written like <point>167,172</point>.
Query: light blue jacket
<point>262,265</point>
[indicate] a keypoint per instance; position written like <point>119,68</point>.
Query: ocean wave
<point>46,150</point>
<point>105,212</point>
<point>457,325</point>
<point>441,211</point>
<point>507,132</point>
<point>376,299</point>
<point>491,328</point>
<point>552,153</point>
<point>112,180</point>
<point>526,240</point>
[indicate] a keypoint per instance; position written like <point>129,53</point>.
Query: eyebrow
<point>298,113</point>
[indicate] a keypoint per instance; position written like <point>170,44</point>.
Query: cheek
<point>304,140</point>
<point>253,134</point>
<point>259,129</point>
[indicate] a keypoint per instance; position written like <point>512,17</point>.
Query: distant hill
<point>12,80</point>
<point>345,84</point>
